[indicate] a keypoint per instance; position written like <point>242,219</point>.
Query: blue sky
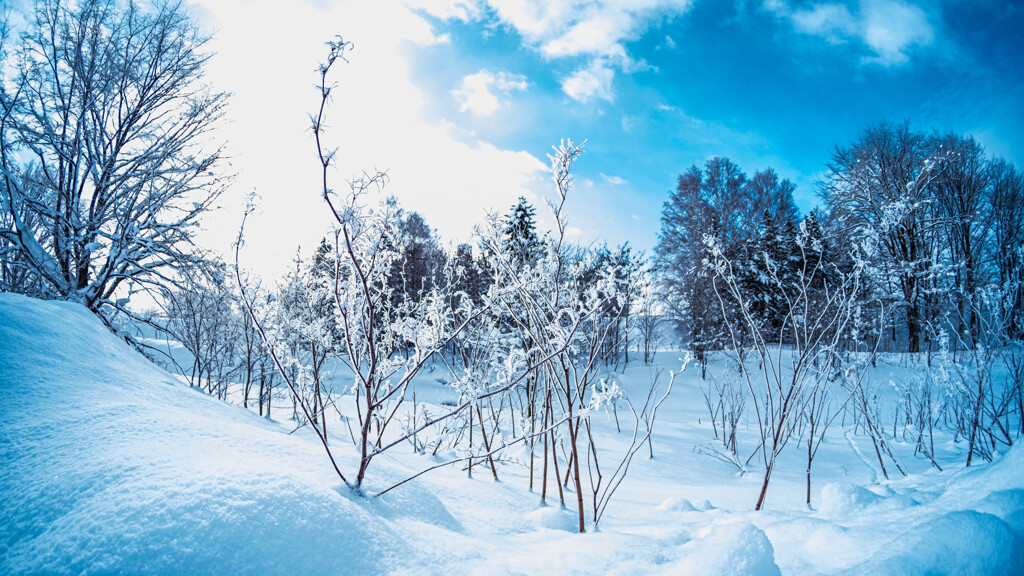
<point>774,84</point>
<point>461,100</point>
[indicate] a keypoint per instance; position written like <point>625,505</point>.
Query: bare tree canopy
<point>106,164</point>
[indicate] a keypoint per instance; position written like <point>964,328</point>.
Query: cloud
<point>889,29</point>
<point>584,27</point>
<point>593,81</point>
<point>464,10</point>
<point>476,91</point>
<point>830,21</point>
<point>612,180</point>
<point>596,31</point>
<point>595,36</point>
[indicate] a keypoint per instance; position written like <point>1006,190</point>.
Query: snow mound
<point>110,465</point>
<point>840,499</point>
<point>973,542</point>
<point>685,505</point>
<point>677,505</point>
<point>736,549</point>
<point>1008,505</point>
<point>555,518</point>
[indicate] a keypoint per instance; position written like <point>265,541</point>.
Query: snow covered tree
<point>704,201</point>
<point>202,317</point>
<point>961,193</point>
<point>721,201</point>
<point>627,269</point>
<point>878,190</point>
<point>470,274</point>
<point>304,311</point>
<point>420,265</point>
<point>385,345</point>
<point>1007,243</point>
<point>104,165</point>
<point>648,316</point>
<point>557,306</point>
<point>520,232</point>
<point>773,197</point>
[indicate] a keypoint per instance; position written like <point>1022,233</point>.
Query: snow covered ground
<point>108,464</point>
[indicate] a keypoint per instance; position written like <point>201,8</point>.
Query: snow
<point>110,464</point>
<point>729,549</point>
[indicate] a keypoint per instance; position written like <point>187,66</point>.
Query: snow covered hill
<point>108,464</point>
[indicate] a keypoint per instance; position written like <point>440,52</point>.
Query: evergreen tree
<point>521,233</point>
<point>420,265</point>
<point>758,271</point>
<point>471,278</point>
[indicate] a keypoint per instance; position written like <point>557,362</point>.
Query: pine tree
<point>521,233</point>
<point>471,279</point>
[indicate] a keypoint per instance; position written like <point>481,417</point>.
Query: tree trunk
<point>764,485</point>
<point>470,466</point>
<point>913,329</point>
<point>975,421</point>
<point>544,479</point>
<point>576,475</point>
<point>487,445</point>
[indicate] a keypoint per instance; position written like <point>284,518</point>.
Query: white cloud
<point>442,39</point>
<point>891,27</point>
<point>464,10</point>
<point>595,30</point>
<point>476,91</point>
<point>612,180</point>
<point>594,81</point>
<point>830,21</point>
<point>594,36</point>
<point>584,27</point>
<point>888,28</point>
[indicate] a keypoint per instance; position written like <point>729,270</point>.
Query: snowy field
<point>109,464</point>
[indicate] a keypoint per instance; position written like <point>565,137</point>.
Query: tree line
<point>937,222</point>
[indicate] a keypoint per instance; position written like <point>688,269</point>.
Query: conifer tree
<point>471,278</point>
<point>521,232</point>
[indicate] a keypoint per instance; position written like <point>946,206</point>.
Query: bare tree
<point>648,317</point>
<point>706,200</point>
<point>104,168</point>
<point>818,307</point>
<point>202,317</point>
<point>1008,240</point>
<point>981,403</point>
<point>878,188</point>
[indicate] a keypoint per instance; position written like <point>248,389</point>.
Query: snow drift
<point>109,464</point>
